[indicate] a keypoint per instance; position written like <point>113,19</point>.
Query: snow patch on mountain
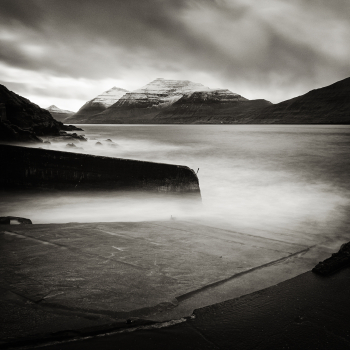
<point>170,87</point>
<point>108,97</point>
<point>55,109</point>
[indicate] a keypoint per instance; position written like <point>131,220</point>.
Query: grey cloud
<point>100,39</point>
<point>22,12</point>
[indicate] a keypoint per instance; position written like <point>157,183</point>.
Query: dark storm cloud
<point>77,35</point>
<point>261,42</point>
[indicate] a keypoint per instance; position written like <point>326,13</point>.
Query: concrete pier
<point>24,167</point>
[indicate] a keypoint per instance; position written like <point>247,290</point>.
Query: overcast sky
<point>65,52</point>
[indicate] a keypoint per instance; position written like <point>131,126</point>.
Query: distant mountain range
<point>209,107</point>
<point>173,102</point>
<point>59,114</point>
<point>162,101</point>
<point>99,104</point>
<point>184,102</point>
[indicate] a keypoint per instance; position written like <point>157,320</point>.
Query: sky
<point>66,52</point>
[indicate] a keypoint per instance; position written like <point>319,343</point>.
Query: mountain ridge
<point>58,113</point>
<point>325,105</point>
<point>183,102</point>
<point>144,104</point>
<point>98,104</point>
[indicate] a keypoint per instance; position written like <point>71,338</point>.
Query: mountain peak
<point>109,97</point>
<point>99,103</point>
<point>58,113</point>
<point>171,87</point>
<point>114,88</point>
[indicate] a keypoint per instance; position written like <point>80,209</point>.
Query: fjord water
<point>263,176</point>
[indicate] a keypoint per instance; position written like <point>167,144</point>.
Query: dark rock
<point>25,114</point>
<point>6,220</point>
<point>111,143</point>
<point>336,262</point>
<point>47,142</point>
<point>24,121</point>
<point>64,136</point>
<point>98,144</point>
<point>78,137</point>
<point>71,128</point>
<point>13,133</point>
<point>71,145</point>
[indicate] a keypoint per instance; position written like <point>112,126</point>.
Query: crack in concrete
<point>249,234</point>
<point>74,250</point>
<point>217,283</point>
<point>231,240</point>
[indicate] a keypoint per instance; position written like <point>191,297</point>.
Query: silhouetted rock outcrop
<point>71,128</point>
<point>13,133</point>
<point>7,220</point>
<point>327,105</point>
<point>336,262</point>
<point>23,121</point>
<point>27,115</point>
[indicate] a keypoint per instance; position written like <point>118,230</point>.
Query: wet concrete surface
<point>64,278</point>
<point>306,312</point>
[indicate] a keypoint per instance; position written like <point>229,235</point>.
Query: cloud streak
<point>261,49</point>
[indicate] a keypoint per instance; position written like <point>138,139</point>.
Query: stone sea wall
<point>24,167</point>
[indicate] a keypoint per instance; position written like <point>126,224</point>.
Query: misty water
<point>262,176</point>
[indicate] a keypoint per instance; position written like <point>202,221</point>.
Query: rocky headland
<point>24,121</point>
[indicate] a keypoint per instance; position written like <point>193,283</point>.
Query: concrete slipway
<point>70,280</point>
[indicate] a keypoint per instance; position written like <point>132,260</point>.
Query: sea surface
<point>264,176</point>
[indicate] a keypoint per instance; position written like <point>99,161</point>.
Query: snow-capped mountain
<point>98,104</point>
<point>162,101</point>
<point>143,104</point>
<point>108,97</point>
<point>159,93</point>
<point>58,113</point>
